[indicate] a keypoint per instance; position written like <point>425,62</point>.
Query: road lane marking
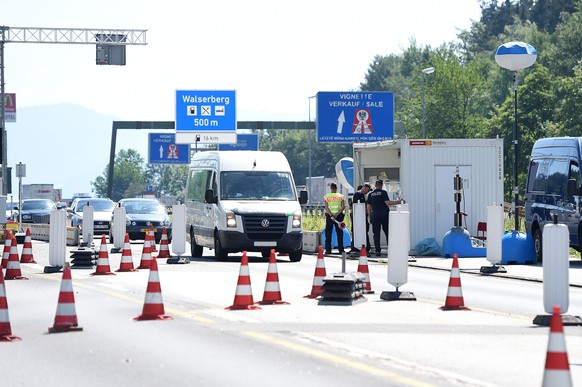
<point>336,359</point>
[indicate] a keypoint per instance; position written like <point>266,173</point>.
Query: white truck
<point>243,201</point>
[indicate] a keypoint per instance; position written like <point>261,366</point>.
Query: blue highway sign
<point>164,150</point>
<point>205,110</point>
<point>363,116</point>
<point>243,142</point>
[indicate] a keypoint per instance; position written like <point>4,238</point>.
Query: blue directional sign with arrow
<point>164,150</point>
<point>349,116</point>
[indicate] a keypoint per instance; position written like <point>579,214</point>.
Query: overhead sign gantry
<point>110,50</point>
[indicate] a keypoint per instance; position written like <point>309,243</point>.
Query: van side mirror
<point>303,197</point>
<point>572,189</point>
<point>209,196</point>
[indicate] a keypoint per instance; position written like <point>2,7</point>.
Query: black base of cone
<point>544,320</point>
<point>397,296</point>
<point>52,269</point>
<point>178,260</point>
<point>454,308</point>
<point>243,307</point>
<point>492,269</point>
<point>64,329</point>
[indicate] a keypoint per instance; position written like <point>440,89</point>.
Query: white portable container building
<point>422,171</point>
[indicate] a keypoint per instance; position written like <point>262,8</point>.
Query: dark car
<point>36,210</point>
<point>141,215</point>
<point>102,212</point>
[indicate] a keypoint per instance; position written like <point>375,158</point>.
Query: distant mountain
<point>66,145</point>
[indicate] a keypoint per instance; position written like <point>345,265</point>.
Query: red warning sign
<point>362,122</point>
<point>172,152</point>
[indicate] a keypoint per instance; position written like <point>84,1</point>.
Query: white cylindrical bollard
<point>57,238</point>
<point>398,246</point>
<point>555,250</point>
<point>494,233</point>
<point>359,226</point>
<point>88,225</point>
<point>118,227</point>
<point>179,229</point>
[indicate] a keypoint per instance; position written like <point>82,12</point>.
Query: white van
<point>243,201</point>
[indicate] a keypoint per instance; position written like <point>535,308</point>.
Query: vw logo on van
<point>265,223</point>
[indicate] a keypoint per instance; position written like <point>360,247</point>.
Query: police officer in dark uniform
<point>378,209</point>
<point>360,196</point>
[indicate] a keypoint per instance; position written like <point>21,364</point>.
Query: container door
<point>445,205</point>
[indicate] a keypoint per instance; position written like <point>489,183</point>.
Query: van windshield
<point>253,185</point>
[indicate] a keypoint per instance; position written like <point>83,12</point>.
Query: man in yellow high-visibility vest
<point>335,204</point>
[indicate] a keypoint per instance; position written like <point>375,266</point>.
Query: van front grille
<point>265,227</point>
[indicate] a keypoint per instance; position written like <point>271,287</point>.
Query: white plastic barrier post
<point>494,233</point>
<point>88,217</point>
<point>57,240</point>
<point>119,228</point>
<point>398,248</point>
<point>179,229</point>
<point>359,226</point>
<point>555,251</point>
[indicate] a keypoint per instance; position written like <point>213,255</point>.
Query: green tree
<point>128,169</point>
<point>169,179</point>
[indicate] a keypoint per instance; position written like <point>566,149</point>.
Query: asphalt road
<point>368,344</point>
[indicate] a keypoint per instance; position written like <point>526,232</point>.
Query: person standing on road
<point>334,213</point>
<point>360,196</point>
<point>378,210</point>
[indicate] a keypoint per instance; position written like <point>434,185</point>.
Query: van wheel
<point>296,256</point>
<point>195,250</point>
<point>219,253</point>
<point>537,240</point>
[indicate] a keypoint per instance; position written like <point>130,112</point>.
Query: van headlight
<point>230,219</point>
<point>296,219</point>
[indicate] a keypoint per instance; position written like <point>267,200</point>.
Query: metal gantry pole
<point>309,145</point>
<point>3,115</point>
<point>423,132</point>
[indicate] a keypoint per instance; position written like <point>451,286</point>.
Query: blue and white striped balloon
<point>515,56</point>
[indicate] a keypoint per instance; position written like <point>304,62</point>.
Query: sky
<point>274,54</point>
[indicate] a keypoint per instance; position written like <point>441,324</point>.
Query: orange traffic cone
<point>7,243</point>
<point>66,316</point>
<point>243,297</point>
<point>557,370</point>
<point>454,300</point>
<point>272,294</point>
<point>146,254</point>
<point>103,267</point>
<point>13,266</point>
<point>164,249</point>
<point>5,328</point>
<point>27,256</point>
<point>317,288</point>
<point>152,235</point>
<point>126,257</point>
<point>153,307</point>
<point>363,268</point>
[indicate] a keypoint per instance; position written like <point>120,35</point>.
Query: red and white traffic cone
<point>272,294</point>
<point>146,254</point>
<point>26,256</point>
<point>152,235</point>
<point>164,249</point>
<point>126,257</point>
<point>13,271</point>
<point>153,307</point>
<point>363,268</point>
<point>317,288</point>
<point>6,252</point>
<point>454,300</point>
<point>103,267</point>
<point>557,369</point>
<point>5,328</point>
<point>66,316</point>
<point>243,297</point>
